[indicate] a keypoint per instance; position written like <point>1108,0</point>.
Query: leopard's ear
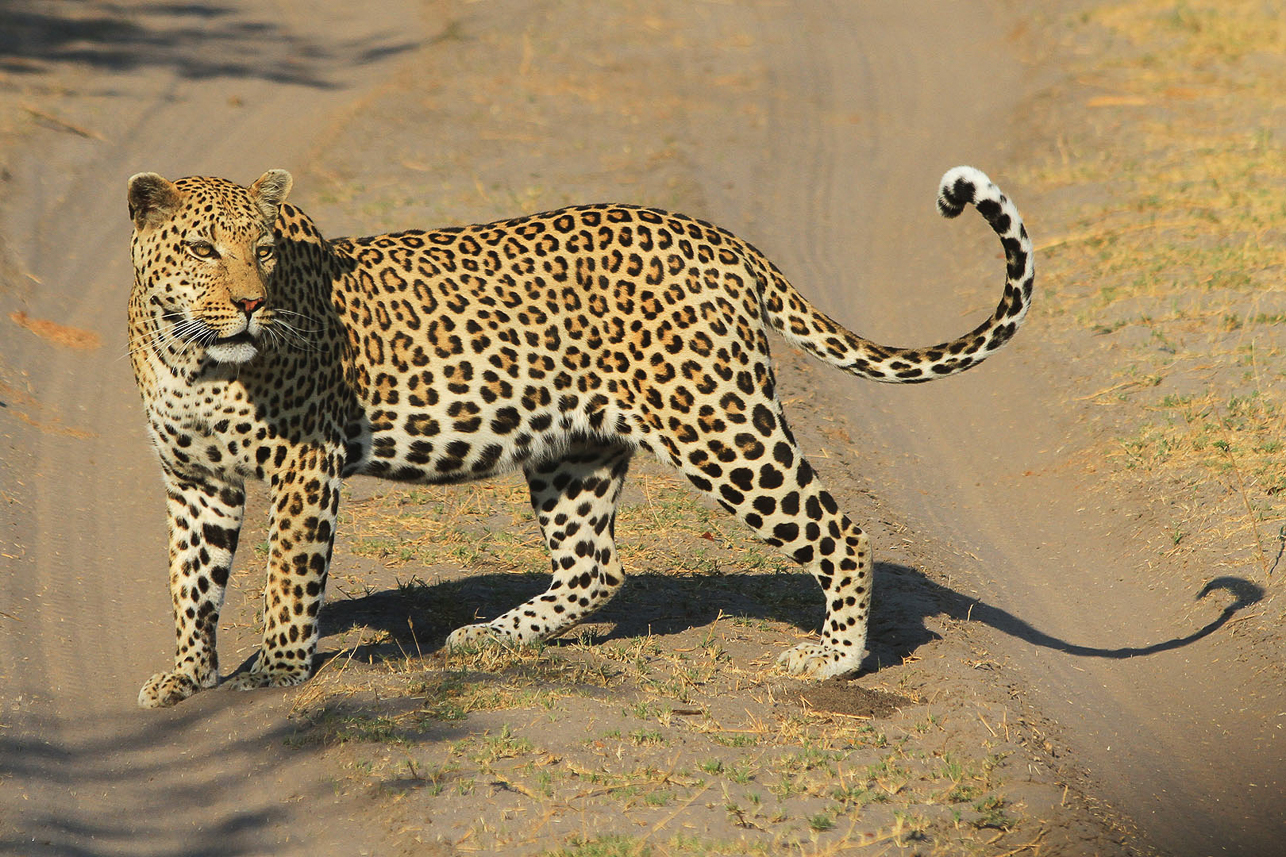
<point>270,191</point>
<point>152,200</point>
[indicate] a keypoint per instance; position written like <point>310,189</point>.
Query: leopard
<point>557,344</point>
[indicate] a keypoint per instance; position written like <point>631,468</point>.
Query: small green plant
<point>821,821</point>
<point>858,795</point>
<point>644,737</point>
<point>503,746</point>
<point>785,787</point>
<point>928,724</point>
<point>658,798</point>
<point>644,710</point>
<point>735,740</point>
<point>991,813</point>
<point>342,727</point>
<point>609,845</point>
<point>951,768</point>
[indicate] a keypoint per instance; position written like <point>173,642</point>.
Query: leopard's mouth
<point>199,332</point>
<point>245,337</point>
<point>237,348</point>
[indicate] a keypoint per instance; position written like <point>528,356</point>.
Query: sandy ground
<point>818,131</point>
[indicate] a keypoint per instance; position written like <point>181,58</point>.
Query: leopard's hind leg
<point>768,484</point>
<point>574,498</point>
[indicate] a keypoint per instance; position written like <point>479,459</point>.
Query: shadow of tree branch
<point>195,41</point>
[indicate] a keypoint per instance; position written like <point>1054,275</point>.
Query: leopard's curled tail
<point>800,323</point>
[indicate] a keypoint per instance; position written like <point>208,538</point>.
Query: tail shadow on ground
<point>417,616</point>
<point>195,41</point>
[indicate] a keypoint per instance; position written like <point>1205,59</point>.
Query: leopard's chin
<point>238,348</point>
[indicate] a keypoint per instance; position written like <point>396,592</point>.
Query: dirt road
<point>821,142</point>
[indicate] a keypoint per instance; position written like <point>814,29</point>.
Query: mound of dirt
<point>840,696</point>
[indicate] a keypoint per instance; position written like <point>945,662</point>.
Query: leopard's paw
<point>813,660</point>
<point>474,636</point>
<point>165,689</point>
<point>471,637</point>
<point>255,678</point>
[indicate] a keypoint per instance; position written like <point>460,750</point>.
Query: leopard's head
<point>204,255</point>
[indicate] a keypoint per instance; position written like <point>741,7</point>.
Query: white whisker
<point>175,331</point>
<point>286,335</point>
<point>280,311</point>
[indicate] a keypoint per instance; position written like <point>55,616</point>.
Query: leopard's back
<point>480,348</point>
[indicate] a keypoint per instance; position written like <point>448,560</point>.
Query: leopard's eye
<point>201,249</point>
<point>265,252</point>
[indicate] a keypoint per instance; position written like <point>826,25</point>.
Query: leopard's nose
<point>248,305</point>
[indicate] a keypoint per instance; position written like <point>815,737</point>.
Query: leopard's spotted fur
<point>559,343</point>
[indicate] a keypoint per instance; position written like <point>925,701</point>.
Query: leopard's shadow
<point>416,617</point>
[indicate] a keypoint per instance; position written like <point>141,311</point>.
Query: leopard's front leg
<point>305,502</point>
<point>204,523</point>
